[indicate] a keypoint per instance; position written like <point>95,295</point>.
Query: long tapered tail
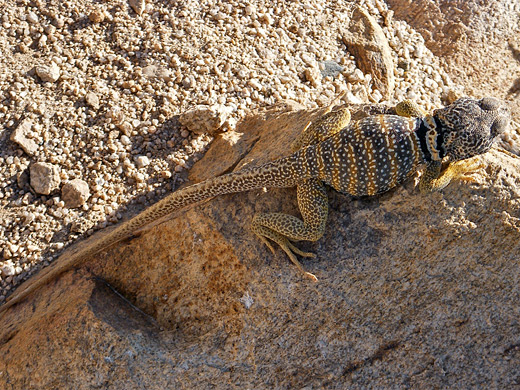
<point>285,172</point>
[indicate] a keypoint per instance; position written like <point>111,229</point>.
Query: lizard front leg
<point>409,109</point>
<point>283,228</point>
<point>321,129</point>
<point>433,179</point>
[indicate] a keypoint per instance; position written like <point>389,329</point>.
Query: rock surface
<point>139,6</point>
<point>50,73</point>
<point>367,43</point>
<point>75,193</point>
<point>413,291</point>
<point>45,178</point>
<point>92,100</point>
<point>205,119</point>
<point>19,135</point>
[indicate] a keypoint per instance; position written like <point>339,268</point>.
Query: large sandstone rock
<point>414,291</point>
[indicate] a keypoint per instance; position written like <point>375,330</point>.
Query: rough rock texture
<point>367,43</point>
<point>447,25</point>
<point>19,135</point>
<point>92,100</point>
<point>414,291</point>
<point>205,119</point>
<point>75,193</point>
<point>49,73</point>
<point>154,71</point>
<point>45,177</point>
<point>139,6</point>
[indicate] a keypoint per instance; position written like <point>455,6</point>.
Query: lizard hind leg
<point>283,228</point>
<point>312,197</point>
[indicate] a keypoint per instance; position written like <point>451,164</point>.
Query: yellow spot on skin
<point>352,185</point>
<point>390,147</point>
<point>371,168</point>
<point>336,180</point>
<point>414,141</point>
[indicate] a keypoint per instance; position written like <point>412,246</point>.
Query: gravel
<point>102,85</point>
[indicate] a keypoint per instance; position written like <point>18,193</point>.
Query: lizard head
<point>469,126</point>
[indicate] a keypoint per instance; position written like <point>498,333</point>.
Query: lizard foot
<point>462,169</point>
<point>264,233</point>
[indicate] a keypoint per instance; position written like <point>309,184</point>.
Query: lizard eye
<point>489,103</point>
<point>499,126</point>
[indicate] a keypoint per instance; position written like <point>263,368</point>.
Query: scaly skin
<point>366,157</point>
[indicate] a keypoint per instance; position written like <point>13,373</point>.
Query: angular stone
<point>92,100</point>
<point>313,75</point>
<point>157,72</point>
<point>19,136</point>
<point>205,119</point>
<point>45,178</point>
<point>49,73</point>
<point>139,6</point>
<point>7,269</point>
<point>142,161</point>
<point>96,16</point>
<point>331,68</point>
<point>75,193</point>
<point>367,42</point>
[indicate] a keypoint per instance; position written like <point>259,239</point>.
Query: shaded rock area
<point>414,291</point>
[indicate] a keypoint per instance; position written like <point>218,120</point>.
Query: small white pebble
<point>32,17</point>
<point>142,161</point>
<point>166,174</point>
<point>8,268</point>
<point>125,140</point>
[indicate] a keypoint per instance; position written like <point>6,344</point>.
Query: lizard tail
<point>285,172</point>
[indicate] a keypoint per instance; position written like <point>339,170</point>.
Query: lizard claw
<point>266,242</point>
<point>462,169</point>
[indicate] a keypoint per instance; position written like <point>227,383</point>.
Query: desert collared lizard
<point>365,157</point>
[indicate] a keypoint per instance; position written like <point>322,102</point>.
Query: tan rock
<point>19,136</point>
<point>366,41</point>
<point>45,177</point>
<point>48,73</point>
<point>75,193</point>
<point>139,6</point>
<point>158,72</point>
<point>205,119</point>
<point>96,16</point>
<point>313,75</point>
<point>406,282</point>
<point>92,100</point>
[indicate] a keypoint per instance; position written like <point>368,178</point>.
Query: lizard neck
<point>431,138</point>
